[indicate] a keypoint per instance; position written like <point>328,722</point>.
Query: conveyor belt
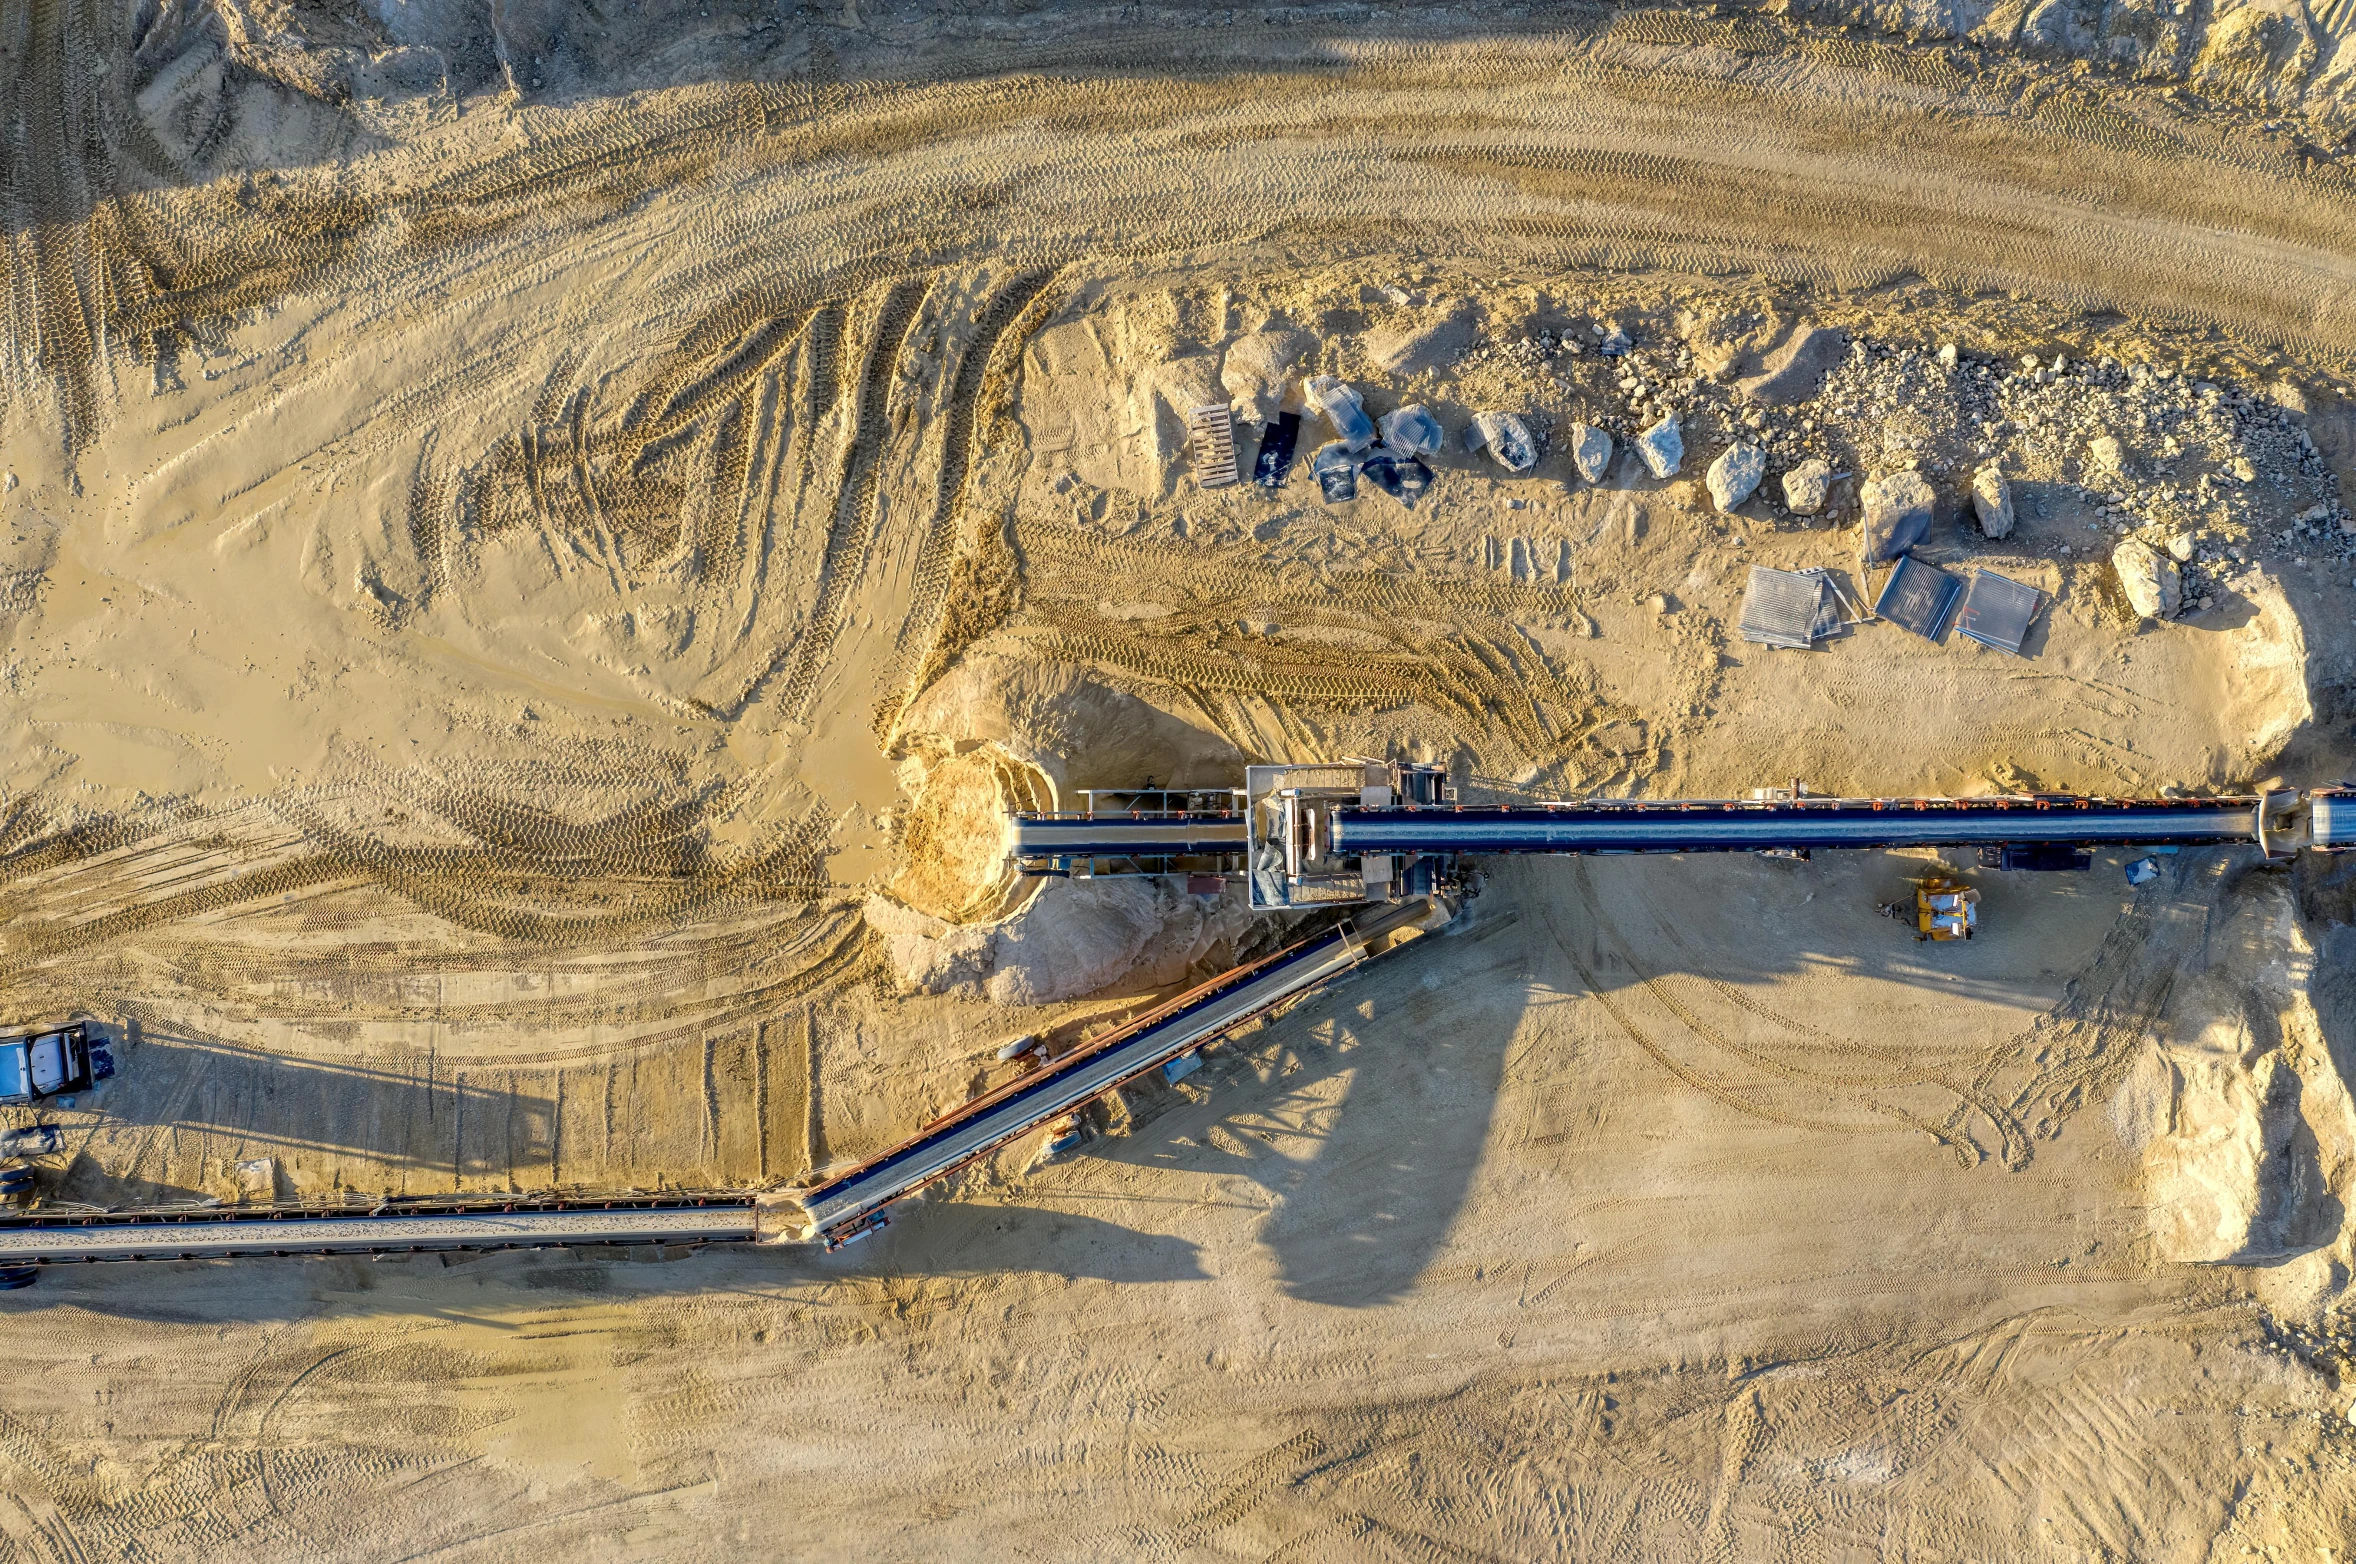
<point>844,1205</point>
<point>201,1233</point>
<point>1121,836</point>
<point>1727,826</point>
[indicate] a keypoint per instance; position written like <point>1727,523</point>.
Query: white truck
<point>35,1066</point>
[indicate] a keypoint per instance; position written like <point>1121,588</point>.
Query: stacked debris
<point>1214,446</point>
<point>1997,611</point>
<point>1794,609</point>
<point>1919,596</point>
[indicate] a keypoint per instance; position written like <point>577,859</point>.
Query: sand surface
<point>539,542</point>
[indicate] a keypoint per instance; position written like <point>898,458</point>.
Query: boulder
<point>1735,474</point>
<point>1807,487</point>
<point>1897,510</point>
<point>1992,500</point>
<point>1506,438</point>
<point>1257,367</point>
<point>1591,451</point>
<point>2149,578</point>
<point>1662,447</point>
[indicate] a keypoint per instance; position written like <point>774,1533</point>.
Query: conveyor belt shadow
<point>1369,1117</point>
<point>475,1120</point>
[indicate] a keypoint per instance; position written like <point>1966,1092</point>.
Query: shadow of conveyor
<point>1361,1115</point>
<point>928,1243</point>
<point>431,1118</point>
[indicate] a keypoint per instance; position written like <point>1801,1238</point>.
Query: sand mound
<point>1074,937</point>
<point>1068,722</point>
<point>2247,1129</point>
<point>953,852</point>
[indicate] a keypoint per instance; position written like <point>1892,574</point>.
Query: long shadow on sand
<point>1360,1116</point>
<point>434,1120</point>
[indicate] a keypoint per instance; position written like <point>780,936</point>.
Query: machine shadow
<point>1362,1114</point>
<point>172,1080</point>
<point>929,1243</point>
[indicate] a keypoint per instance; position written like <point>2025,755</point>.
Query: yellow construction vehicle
<point>1945,908</point>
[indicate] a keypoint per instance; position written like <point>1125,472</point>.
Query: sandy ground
<point>534,549</point>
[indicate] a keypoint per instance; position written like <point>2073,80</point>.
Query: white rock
<point>1897,510</point>
<point>2149,579</point>
<point>1735,474</point>
<point>1662,447</point>
<point>1591,451</point>
<point>2181,545</point>
<point>1506,438</point>
<point>1807,486</point>
<point>1992,502</point>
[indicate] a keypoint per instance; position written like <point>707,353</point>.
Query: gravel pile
<point>2214,476</point>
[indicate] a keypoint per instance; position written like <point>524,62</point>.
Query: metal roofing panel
<point>1785,608</point>
<point>1997,611</point>
<point>1919,597</point>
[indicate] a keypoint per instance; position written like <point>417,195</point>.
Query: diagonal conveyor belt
<point>844,1205</point>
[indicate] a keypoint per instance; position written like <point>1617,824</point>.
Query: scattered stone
<point>1662,447</point>
<point>1505,437</point>
<point>1947,355</point>
<point>2149,579</point>
<point>1591,451</point>
<point>2243,471</point>
<point>1897,514</point>
<point>1807,487</point>
<point>2180,545</point>
<point>2103,452</point>
<point>1992,501</point>
<point>1413,431</point>
<point>1735,474</point>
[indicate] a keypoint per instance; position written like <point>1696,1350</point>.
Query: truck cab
<point>39,1065</point>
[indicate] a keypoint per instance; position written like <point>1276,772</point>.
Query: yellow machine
<point>1945,908</point>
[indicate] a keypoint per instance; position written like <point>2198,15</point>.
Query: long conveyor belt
<point>455,1222</point>
<point>1680,826</point>
<point>1734,826</point>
